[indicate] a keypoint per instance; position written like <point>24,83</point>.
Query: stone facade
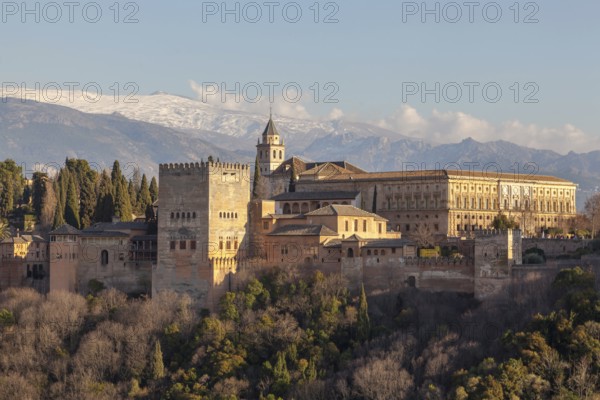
<point>450,202</point>
<point>202,225</point>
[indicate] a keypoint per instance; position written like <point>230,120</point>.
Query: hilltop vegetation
<point>284,337</point>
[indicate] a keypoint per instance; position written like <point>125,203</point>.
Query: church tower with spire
<point>271,152</point>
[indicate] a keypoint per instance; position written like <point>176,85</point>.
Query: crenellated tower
<point>271,152</point>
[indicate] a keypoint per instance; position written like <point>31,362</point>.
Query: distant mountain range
<point>167,128</point>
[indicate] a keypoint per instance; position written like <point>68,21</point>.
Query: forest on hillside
<point>285,337</point>
<point>76,194</point>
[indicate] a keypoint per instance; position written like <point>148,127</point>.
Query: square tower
<point>202,221</point>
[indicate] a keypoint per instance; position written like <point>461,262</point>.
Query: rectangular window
<point>380,227</point>
<point>192,245</point>
<point>266,225</point>
<point>364,225</point>
<point>182,244</point>
<point>172,245</point>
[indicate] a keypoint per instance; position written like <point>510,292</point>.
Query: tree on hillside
<point>38,192</point>
<point>144,199</point>
<point>363,325</point>
<point>104,202</point>
<point>153,189</point>
<point>48,206</point>
<point>72,206</point>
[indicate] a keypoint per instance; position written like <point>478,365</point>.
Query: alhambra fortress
<point>221,223</point>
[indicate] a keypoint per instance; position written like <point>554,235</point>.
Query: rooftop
<point>303,230</point>
<point>343,211</point>
<point>66,229</point>
<point>322,195</point>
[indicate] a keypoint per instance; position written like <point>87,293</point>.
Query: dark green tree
<point>153,189</point>
<point>502,222</point>
<point>363,325</point>
<point>256,179</point>
<point>38,192</point>
<point>104,204</point>
<point>122,204</point>
<point>59,219</point>
<point>374,208</point>
<point>72,206</point>
<point>144,199</point>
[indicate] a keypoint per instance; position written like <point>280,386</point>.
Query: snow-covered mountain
<point>163,127</point>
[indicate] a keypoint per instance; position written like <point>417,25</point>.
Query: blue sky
<point>370,55</point>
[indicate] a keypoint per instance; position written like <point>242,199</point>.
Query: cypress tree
<point>115,175</point>
<point>157,368</point>
<point>38,192</point>
<point>72,206</point>
<point>59,219</point>
<point>144,198</point>
<point>88,198</point>
<point>363,323</point>
<point>375,200</point>
<point>292,187</point>
<point>104,204</point>
<point>122,204</point>
<point>153,189</point>
<point>132,196</point>
<point>256,179</point>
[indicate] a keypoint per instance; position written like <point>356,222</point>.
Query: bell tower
<point>271,152</point>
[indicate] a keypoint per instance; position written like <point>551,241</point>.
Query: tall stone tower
<point>271,152</point>
<point>202,223</point>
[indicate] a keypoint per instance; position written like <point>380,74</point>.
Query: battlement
<point>203,167</point>
<point>487,233</point>
<point>438,262</point>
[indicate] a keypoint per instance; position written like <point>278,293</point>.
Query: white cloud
<point>452,127</point>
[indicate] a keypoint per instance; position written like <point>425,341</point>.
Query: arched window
<point>376,252</point>
<point>295,208</point>
<point>274,153</point>
<point>177,215</point>
<point>104,257</point>
<point>280,154</point>
<point>287,209</point>
<point>236,215</point>
<point>194,214</point>
<point>304,207</point>
<point>261,154</point>
<point>220,215</point>
<point>188,215</point>
<point>368,252</point>
<point>350,253</point>
<point>172,215</point>
<point>355,225</point>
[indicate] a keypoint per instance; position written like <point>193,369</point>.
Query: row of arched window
<point>178,215</point>
<point>274,154</point>
<point>228,215</point>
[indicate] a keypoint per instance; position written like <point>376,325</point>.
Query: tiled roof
<point>323,195</point>
<point>98,233</point>
<point>303,230</point>
<point>287,216</point>
<point>108,226</point>
<point>343,211</point>
<point>387,243</point>
<point>440,174</point>
<point>301,166</point>
<point>66,229</point>
<point>270,129</point>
